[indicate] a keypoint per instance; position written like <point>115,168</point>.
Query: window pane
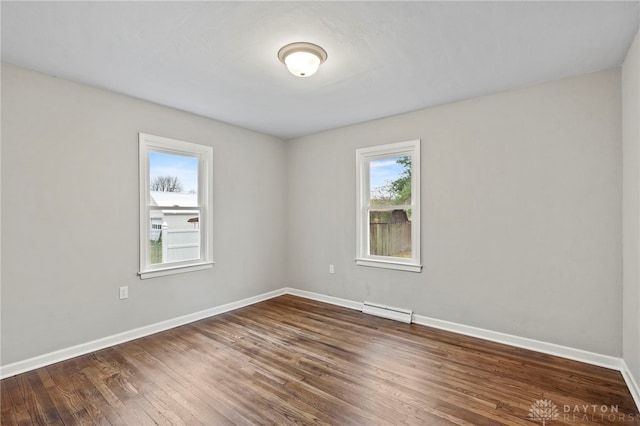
<point>390,181</point>
<point>173,180</point>
<point>174,236</point>
<point>390,233</point>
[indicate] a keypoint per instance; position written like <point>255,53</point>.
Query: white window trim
<point>148,143</point>
<point>363,158</point>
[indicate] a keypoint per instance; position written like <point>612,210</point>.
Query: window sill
<point>389,264</point>
<point>174,270</point>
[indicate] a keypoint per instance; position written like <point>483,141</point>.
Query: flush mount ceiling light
<point>302,59</point>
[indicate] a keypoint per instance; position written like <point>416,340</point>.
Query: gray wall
<point>70,215</point>
<point>521,213</point>
<point>631,207</point>
<point>521,219</point>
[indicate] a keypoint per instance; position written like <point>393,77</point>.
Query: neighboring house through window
<point>175,209</point>
<point>388,217</point>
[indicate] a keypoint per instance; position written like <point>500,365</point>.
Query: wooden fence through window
<point>390,239</point>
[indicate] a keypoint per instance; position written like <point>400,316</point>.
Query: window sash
<point>201,250</point>
<point>148,144</point>
<point>364,157</point>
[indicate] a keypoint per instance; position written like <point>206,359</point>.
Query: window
<point>388,218</point>
<point>175,206</point>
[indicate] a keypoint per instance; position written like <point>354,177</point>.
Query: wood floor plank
<point>269,369</point>
<point>41,399</point>
<point>7,410</point>
<point>75,394</point>
<point>239,384</point>
<point>384,384</point>
<point>12,392</point>
<point>203,403</point>
<point>291,360</point>
<point>120,390</point>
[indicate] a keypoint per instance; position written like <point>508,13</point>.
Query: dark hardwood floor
<point>291,360</point>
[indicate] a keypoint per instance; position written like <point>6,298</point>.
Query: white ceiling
<point>219,59</point>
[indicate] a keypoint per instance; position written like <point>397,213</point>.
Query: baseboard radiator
<point>397,314</point>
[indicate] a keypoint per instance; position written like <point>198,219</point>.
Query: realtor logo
<point>543,410</point>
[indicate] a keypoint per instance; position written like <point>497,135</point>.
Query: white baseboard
<point>493,336</point>
<point>327,299</point>
<point>631,382</point>
<point>522,342</point>
<point>85,348</point>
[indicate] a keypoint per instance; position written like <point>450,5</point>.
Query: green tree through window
<point>401,187</point>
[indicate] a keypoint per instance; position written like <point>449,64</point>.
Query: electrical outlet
<point>332,270</point>
<point>124,292</point>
